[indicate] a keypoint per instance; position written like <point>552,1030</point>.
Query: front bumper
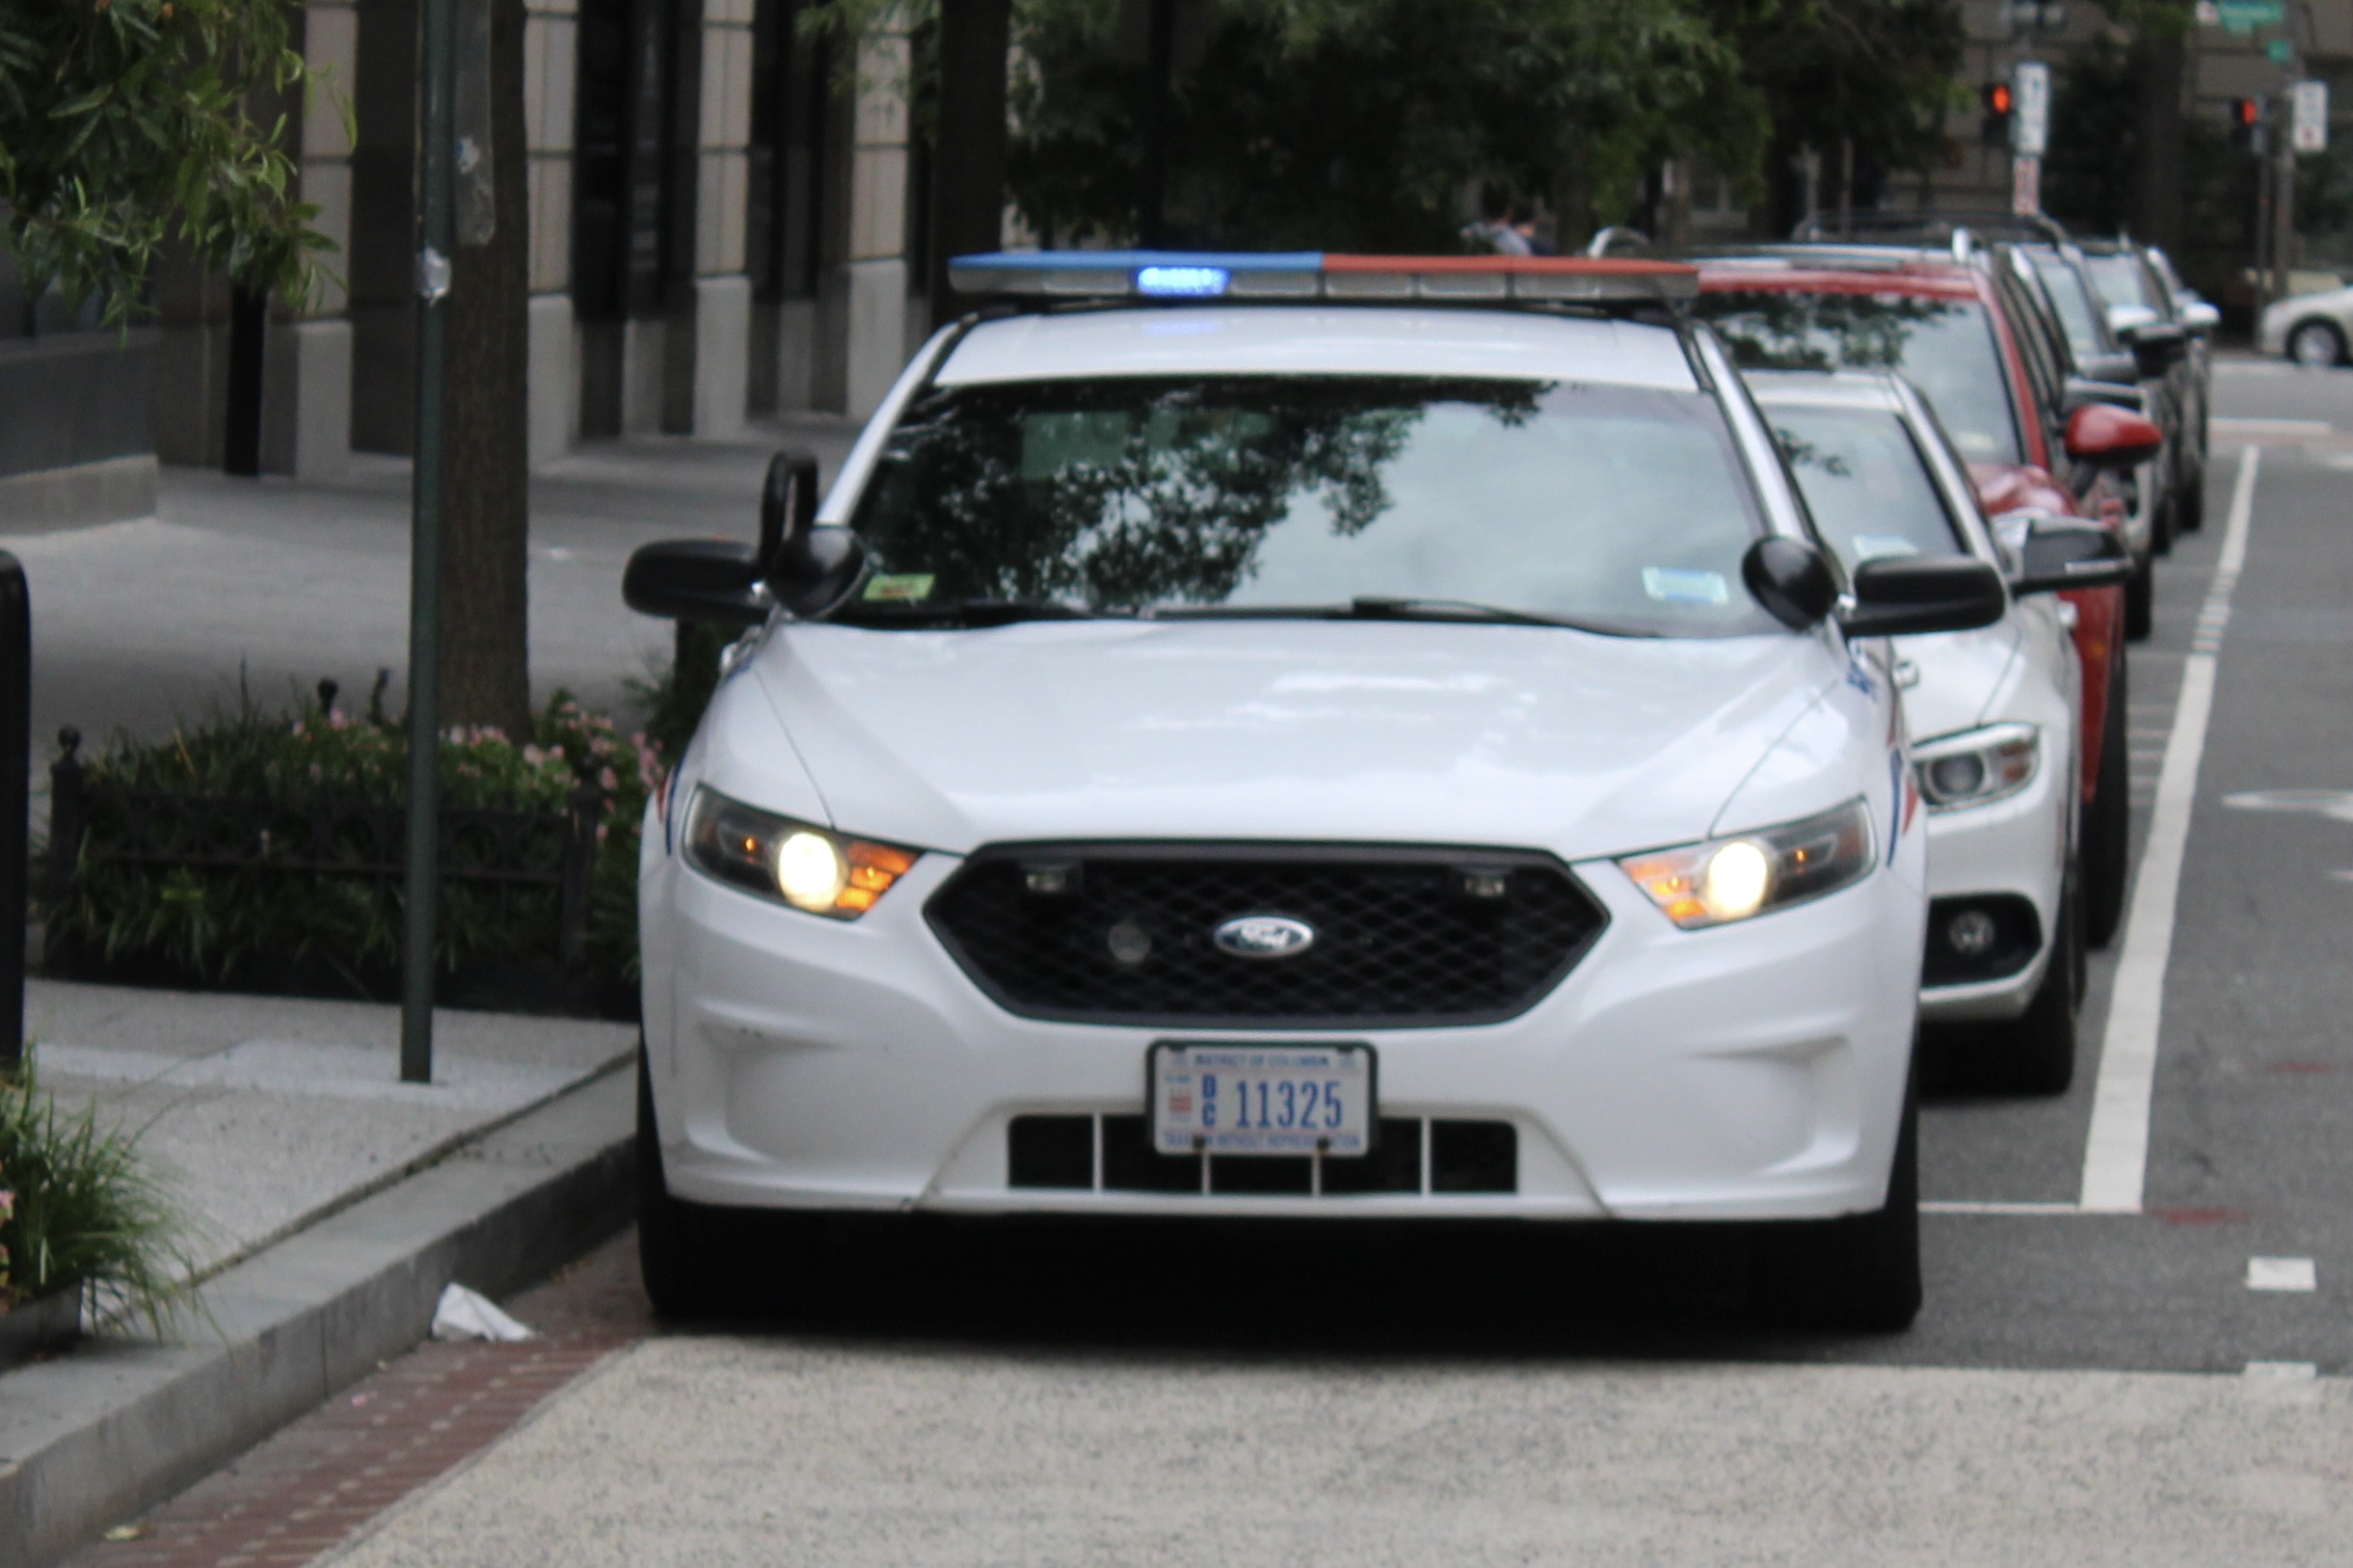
<point>2017,847</point>
<point>1751,1071</point>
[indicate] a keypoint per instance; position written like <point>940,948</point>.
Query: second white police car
<point>1298,735</point>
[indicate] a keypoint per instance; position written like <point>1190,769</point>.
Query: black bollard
<point>15,767</point>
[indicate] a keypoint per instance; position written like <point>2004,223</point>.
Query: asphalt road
<point>2083,1387</point>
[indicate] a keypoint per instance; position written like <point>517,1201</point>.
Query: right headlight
<point>1733,878</point>
<point>1977,765</point>
<point>810,867</point>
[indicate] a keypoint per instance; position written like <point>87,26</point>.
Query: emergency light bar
<point>1313,275</point>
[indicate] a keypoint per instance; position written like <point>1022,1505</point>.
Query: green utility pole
<point>437,112</point>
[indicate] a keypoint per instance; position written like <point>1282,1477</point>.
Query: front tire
<point>2036,1054</point>
<point>1860,1272</point>
<point>2141,601</point>
<point>688,1255</point>
<point>2107,824</point>
<point>2317,345</point>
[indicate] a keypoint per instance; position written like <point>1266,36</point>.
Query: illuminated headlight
<point>1977,765</point>
<point>1730,879</point>
<point>809,867</point>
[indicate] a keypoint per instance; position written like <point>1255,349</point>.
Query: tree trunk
<point>968,168</point>
<point>2156,208</point>
<point>485,499</point>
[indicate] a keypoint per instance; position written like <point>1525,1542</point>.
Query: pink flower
<point>603,829</point>
<point>555,754</point>
<point>335,719</point>
<point>601,746</point>
<point>609,780</point>
<point>534,756</point>
<point>298,727</point>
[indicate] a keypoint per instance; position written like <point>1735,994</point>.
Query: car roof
<point>1320,340</point>
<point>1875,389</point>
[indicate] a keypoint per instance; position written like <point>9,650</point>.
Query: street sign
<point>2030,115</point>
<point>2246,15</point>
<point>2025,186</point>
<point>2309,123</point>
<point>2280,52</point>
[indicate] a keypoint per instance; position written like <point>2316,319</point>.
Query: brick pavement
<point>306,1490</point>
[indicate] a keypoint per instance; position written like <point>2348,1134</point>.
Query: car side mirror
<point>1791,578</point>
<point>807,567</point>
<point>2199,318</point>
<point>2104,436</point>
<point>2157,346</point>
<point>2122,368</point>
<point>2081,391</point>
<point>2057,555</point>
<point>716,580</point>
<point>1905,596</point>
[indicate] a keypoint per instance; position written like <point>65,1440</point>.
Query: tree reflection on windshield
<point>1943,346</point>
<point>1119,493</point>
<point>1608,506</point>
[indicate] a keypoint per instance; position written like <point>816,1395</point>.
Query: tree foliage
<point>126,125</point>
<point>1359,123</point>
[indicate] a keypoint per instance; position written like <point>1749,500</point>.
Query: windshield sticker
<point>1873,547</point>
<point>899,588</point>
<point>1682,585</point>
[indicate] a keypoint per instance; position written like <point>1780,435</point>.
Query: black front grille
<point>1049,1152</point>
<point>1094,933</point>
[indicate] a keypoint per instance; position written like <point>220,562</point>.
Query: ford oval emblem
<point>1263,935</point>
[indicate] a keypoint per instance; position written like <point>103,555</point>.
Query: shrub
<point>78,1207</point>
<point>216,924</point>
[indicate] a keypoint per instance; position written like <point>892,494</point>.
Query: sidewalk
<point>330,1203</point>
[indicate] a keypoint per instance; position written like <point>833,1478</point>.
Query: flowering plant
<point>216,924</point>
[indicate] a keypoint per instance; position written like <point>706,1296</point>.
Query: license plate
<point>1262,1100</point>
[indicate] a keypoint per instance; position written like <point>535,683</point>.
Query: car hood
<point>1952,678</point>
<point>1284,731</point>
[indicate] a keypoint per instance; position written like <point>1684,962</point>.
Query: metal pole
<point>16,768</point>
<point>2284,202</point>
<point>438,143</point>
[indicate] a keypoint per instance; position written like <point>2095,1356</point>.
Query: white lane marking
<point>2329,802</point>
<point>2116,1154</point>
<point>2282,1274</point>
<point>1951,1208</point>
<point>2286,1371</point>
<point>2288,429</point>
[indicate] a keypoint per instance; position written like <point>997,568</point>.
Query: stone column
<point>551,55</point>
<point>708,383</point>
<point>306,364</point>
<point>874,297</point>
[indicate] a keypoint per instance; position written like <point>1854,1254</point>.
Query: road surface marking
<point>1935,1208</point>
<point>2284,429</point>
<point>2282,1274</point>
<point>2116,1154</point>
<point>2286,1371</point>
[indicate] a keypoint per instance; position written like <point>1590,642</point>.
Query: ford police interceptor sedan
<point>1300,735</point>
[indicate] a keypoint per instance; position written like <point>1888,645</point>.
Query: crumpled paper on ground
<point>467,1315</point>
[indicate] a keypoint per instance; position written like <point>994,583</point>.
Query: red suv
<point>1959,331</point>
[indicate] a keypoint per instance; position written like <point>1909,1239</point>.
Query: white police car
<point>1298,736</point>
<point>1993,713</point>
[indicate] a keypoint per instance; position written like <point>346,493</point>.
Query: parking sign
<point>2030,120</point>
<point>2309,123</point>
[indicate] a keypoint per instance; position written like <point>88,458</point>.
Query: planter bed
<point>31,1328</point>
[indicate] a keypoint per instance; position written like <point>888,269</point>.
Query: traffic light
<point>1999,101</point>
<point>2246,123</point>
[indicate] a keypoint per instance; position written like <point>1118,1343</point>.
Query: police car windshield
<point>1942,346</point>
<point>2120,281</point>
<point>1865,482</point>
<point>1620,508</point>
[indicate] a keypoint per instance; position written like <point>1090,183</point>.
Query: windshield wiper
<point>1383,607</point>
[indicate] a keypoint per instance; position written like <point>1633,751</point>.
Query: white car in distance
<point>1993,713</point>
<point>1304,736</point>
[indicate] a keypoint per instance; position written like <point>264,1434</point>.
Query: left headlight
<point>810,867</point>
<point>1977,765</point>
<point>1731,879</point>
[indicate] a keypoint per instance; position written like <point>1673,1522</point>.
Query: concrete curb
<point>95,1437</point>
